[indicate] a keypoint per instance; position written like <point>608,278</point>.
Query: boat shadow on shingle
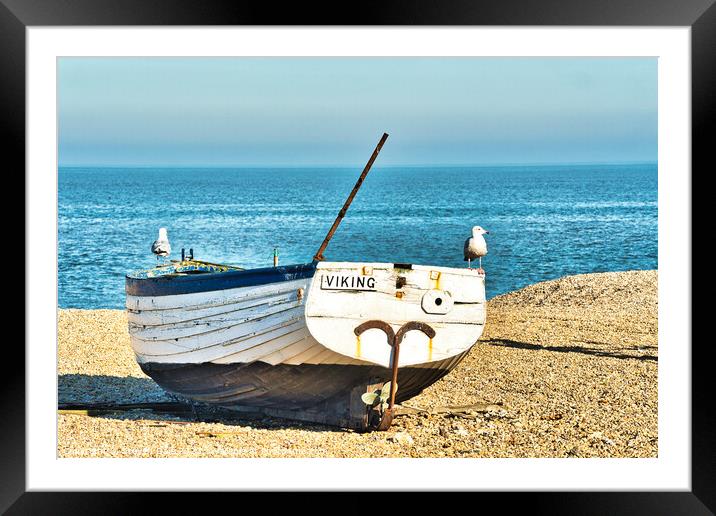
<point>85,388</point>
<point>506,343</point>
<point>135,398</point>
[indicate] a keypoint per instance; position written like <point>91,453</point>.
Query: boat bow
<point>344,295</point>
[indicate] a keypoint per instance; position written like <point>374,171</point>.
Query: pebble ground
<point>573,363</point>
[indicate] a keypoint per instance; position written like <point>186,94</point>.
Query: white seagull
<point>161,246</point>
<point>475,246</point>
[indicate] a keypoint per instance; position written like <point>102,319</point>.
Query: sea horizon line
<point>346,166</point>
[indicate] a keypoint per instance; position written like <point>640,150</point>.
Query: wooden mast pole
<point>319,254</point>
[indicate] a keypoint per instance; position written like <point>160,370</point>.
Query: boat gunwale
<point>169,284</point>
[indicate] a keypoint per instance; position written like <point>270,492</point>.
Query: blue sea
<point>544,221</point>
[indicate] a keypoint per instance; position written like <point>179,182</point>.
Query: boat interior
<point>178,268</point>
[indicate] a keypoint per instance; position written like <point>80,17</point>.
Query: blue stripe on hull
<point>170,285</point>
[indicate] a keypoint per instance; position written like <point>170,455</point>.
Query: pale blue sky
<point>332,111</point>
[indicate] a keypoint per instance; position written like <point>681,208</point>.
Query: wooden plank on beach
<point>405,410</point>
<point>85,408</point>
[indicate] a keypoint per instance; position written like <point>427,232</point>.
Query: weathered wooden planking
<point>168,317</point>
<point>230,334</point>
<point>263,322</point>
<point>211,324</point>
<point>166,351</point>
<point>286,386</point>
<point>451,301</point>
<point>220,355</point>
<point>259,352</point>
<point>202,300</point>
<point>270,340</point>
<point>306,347</point>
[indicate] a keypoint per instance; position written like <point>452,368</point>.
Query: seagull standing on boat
<point>161,246</point>
<point>476,247</point>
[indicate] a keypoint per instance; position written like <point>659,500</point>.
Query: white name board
<point>347,282</point>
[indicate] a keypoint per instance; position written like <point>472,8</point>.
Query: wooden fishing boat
<point>304,341</point>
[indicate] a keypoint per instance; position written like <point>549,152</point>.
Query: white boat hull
<point>345,295</point>
<point>251,345</point>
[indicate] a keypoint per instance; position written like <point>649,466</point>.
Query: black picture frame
<point>700,15</point>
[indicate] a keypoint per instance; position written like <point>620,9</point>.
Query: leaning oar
<point>319,254</point>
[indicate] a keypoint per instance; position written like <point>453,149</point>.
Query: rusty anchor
<point>394,340</point>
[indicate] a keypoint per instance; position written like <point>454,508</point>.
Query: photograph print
<point>357,257</point>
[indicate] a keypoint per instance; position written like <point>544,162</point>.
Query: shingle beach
<point>570,365</point>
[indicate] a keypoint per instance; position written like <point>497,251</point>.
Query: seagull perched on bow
<point>476,247</point>
<point>161,246</point>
